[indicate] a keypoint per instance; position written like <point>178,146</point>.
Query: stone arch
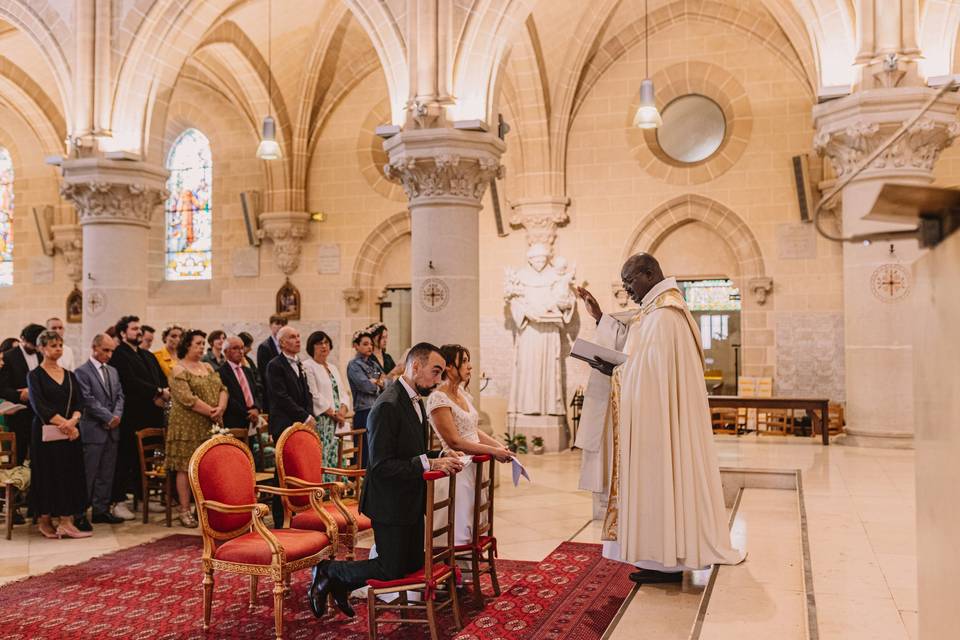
<point>675,213</point>
<point>375,247</point>
<point>36,107</point>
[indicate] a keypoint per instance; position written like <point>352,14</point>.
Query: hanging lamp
<point>647,116</point>
<point>269,148</point>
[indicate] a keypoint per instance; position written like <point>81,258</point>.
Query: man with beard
<point>394,494</point>
<point>146,393</point>
<point>649,421</point>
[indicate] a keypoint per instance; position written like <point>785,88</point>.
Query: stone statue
<point>542,301</point>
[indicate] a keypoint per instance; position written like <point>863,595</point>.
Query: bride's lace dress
<point>467,423</point>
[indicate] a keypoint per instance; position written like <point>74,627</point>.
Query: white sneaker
<point>156,507</point>
<point>121,510</point>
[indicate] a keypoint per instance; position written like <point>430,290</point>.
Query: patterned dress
<point>326,395</point>
<point>187,429</point>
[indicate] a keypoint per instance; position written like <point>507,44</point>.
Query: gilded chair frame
<point>347,538</point>
<point>279,570</point>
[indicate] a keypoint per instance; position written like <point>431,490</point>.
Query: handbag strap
<point>66,414</point>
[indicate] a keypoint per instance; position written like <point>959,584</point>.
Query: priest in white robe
<point>646,428</point>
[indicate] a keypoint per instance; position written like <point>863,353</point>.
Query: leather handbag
<point>51,432</point>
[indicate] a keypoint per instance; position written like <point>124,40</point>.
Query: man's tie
<point>244,387</point>
<point>423,423</point>
<point>106,380</point>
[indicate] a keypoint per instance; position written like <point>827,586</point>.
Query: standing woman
<point>199,399</point>
<point>457,422</point>
<point>167,354</point>
<point>215,356</point>
<point>380,335</point>
<point>58,484</point>
<point>330,402</point>
<point>366,382</point>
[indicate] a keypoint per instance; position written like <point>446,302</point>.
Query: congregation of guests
<point>78,430</point>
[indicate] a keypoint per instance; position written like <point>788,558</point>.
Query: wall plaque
<point>796,241</point>
<point>328,259</point>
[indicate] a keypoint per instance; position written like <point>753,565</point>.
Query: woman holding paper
<point>456,422</point>
<point>58,485</point>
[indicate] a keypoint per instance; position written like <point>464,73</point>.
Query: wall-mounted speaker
<point>801,178</point>
<point>250,201</point>
<point>43,217</point>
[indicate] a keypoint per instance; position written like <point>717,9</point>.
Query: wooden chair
<point>777,422</point>
<point>11,497</point>
<point>300,464</point>
<point>153,474</point>
<point>352,452</point>
<point>725,420</point>
<point>439,568</point>
<point>837,420</point>
<point>484,542</point>
<point>235,538</point>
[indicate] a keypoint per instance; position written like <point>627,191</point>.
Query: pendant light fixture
<point>647,116</point>
<point>269,148</point>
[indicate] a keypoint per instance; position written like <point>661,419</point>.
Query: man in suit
<point>289,396</point>
<point>145,393</point>
<point>243,403</point>
<point>17,363</point>
<point>99,426</point>
<point>394,494</point>
<point>267,351</point>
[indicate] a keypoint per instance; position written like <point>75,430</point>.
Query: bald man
<point>646,428</point>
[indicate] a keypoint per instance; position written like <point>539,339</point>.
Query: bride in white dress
<point>456,421</point>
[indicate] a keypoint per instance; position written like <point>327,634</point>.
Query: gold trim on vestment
<point>609,531</point>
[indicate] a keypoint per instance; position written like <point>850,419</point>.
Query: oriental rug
<point>153,592</point>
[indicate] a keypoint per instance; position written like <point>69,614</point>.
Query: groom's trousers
<point>400,552</point>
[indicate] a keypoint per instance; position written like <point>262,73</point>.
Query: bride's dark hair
<point>454,355</point>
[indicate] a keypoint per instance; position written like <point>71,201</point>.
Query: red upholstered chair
<point>300,464</point>
<point>483,543</point>
<point>438,569</point>
<point>235,538</point>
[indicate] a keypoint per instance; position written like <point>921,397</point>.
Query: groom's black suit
<point>394,493</point>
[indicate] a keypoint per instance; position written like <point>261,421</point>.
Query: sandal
<point>187,520</point>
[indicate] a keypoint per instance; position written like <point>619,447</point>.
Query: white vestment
<point>666,509</point>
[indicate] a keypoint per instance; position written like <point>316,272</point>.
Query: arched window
<point>189,221</point>
<point>6,218</point>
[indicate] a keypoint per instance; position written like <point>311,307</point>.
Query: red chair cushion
<point>482,543</point>
<point>310,520</point>
<point>226,475</point>
<point>251,548</point>
<point>303,459</point>
<point>440,571</point>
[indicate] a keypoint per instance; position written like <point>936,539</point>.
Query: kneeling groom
<point>394,493</point>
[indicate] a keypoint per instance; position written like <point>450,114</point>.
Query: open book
<point>588,351</point>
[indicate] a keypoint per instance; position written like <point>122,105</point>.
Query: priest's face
<point>636,281</point>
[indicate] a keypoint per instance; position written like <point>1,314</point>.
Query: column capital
<point>286,229</point>
<point>540,217</point>
<point>113,191</point>
<point>850,129</point>
<point>444,165</point>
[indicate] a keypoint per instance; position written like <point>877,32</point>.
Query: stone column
<point>445,173</point>
<point>878,351</point>
<point>115,202</point>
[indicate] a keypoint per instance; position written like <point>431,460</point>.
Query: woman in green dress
<point>199,399</point>
<point>331,405</point>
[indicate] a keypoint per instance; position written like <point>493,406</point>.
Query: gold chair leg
<point>253,591</point>
<point>371,614</point>
<point>286,585</point>
<point>278,606</point>
<point>207,596</point>
<point>455,599</point>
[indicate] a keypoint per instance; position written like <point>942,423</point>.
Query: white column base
<point>878,439</point>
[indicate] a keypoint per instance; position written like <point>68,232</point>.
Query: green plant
<point>537,441</point>
<point>517,443</point>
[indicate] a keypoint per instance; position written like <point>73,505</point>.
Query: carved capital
<point>540,218</point>
<point>353,296</point>
<point>68,240</point>
<point>760,288</point>
<point>110,202</point>
<point>286,229</point>
<point>444,165</point>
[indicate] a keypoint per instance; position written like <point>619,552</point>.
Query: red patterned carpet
<point>152,592</point>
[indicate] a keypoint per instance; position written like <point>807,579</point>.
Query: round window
<point>692,130</point>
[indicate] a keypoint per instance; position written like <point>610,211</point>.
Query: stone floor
<point>861,516</point>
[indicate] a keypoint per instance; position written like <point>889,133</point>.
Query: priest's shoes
<point>649,576</point>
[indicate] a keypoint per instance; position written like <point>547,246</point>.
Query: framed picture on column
<point>288,301</point>
<point>75,305</point>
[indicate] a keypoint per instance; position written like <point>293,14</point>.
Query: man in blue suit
<point>99,425</point>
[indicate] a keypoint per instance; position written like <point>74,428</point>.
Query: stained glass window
<point>710,295</point>
<point>6,218</point>
<point>189,222</point>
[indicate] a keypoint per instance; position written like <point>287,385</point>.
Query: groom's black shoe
<point>341,597</point>
<point>649,576</point>
<point>319,591</point>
